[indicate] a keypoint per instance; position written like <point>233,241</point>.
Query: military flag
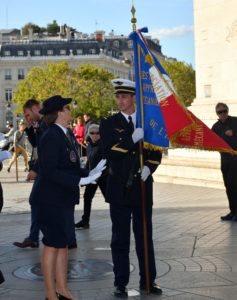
<point>160,112</point>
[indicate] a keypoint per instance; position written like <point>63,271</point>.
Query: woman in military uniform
<point>55,192</point>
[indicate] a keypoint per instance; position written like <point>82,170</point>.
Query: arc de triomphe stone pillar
<point>215,28</point>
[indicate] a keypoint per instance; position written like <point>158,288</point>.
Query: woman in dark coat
<point>94,155</point>
<point>55,192</point>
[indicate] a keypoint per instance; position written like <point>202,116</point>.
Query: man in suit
<point>226,128</point>
<point>35,129</point>
<point>121,148</point>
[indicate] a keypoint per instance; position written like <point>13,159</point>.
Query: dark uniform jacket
<point>124,180</point>
<point>59,170</point>
<point>34,135</point>
<point>221,127</point>
<point>94,153</point>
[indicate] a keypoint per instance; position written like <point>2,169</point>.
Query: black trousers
<point>121,217</point>
<point>1,277</point>
<point>88,197</point>
<point>229,172</point>
<point>1,197</point>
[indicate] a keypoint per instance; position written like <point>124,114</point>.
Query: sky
<point>171,21</point>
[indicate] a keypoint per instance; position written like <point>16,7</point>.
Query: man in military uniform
<point>121,148</point>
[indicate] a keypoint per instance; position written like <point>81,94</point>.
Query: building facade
<point>215,28</point>
<point>18,55</point>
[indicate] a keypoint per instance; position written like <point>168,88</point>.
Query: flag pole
<point>141,121</point>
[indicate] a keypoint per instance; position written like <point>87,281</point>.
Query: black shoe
<point>82,225</point>
<point>234,218</point>
<point>121,292</point>
<point>154,289</point>
<point>27,243</point>
<point>62,297</point>
<point>72,246</point>
<point>8,170</point>
<point>227,217</point>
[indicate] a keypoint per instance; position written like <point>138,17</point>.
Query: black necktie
<point>130,123</point>
<point>69,137</point>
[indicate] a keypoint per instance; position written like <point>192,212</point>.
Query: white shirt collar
<point>64,129</point>
<point>133,117</point>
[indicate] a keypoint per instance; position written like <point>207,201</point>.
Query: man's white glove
<point>91,179</point>
<point>137,135</point>
<point>99,168</point>
<point>145,173</point>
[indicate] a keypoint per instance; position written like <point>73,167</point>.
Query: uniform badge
<point>73,156</point>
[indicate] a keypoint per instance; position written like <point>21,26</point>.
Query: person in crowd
<point>121,148</point>
<point>94,155</point>
<point>79,132</point>
<point>1,205</point>
<point>88,121</point>
<point>56,192</point>
<point>34,130</point>
<point>226,128</point>
<point>19,141</point>
<point>10,133</point>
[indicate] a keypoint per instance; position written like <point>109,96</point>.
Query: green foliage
<point>183,78</point>
<point>88,85</point>
<point>53,28</point>
<point>36,28</point>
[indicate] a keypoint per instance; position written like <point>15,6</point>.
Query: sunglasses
<point>92,132</point>
<point>224,111</point>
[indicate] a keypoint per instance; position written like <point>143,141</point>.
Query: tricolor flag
<point>159,110</point>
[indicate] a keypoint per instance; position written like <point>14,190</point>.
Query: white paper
<point>5,155</point>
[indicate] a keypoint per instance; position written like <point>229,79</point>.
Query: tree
<point>36,28</point>
<point>53,28</point>
<point>183,78</point>
<point>88,85</point>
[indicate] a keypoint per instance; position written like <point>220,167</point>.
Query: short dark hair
<point>222,105</point>
<point>30,103</point>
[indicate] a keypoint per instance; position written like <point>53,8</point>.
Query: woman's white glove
<point>99,168</point>
<point>145,173</point>
<point>91,179</point>
<point>137,135</point>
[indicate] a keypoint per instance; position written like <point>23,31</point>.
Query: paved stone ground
<point>195,252</point>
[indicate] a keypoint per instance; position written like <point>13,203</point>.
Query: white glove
<point>145,173</point>
<point>99,168</point>
<point>137,135</point>
<point>91,179</point>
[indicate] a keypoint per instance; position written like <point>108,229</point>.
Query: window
<point>21,74</point>
<point>130,44</point>
<point>50,52</point>
<point>8,74</point>
<point>7,53</point>
<point>63,52</point>
<point>37,52</point>
<point>207,91</point>
<point>20,53</point>
<point>92,51</point>
<point>79,51</point>
<point>116,44</point>
<point>8,95</point>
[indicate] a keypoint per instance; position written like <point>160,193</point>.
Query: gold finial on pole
<point>133,20</point>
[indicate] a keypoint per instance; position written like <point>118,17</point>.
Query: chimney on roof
<point>30,34</point>
<point>68,34</point>
<point>100,36</point>
<point>62,30</point>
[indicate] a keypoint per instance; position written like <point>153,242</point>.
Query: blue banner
<point>149,115</point>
